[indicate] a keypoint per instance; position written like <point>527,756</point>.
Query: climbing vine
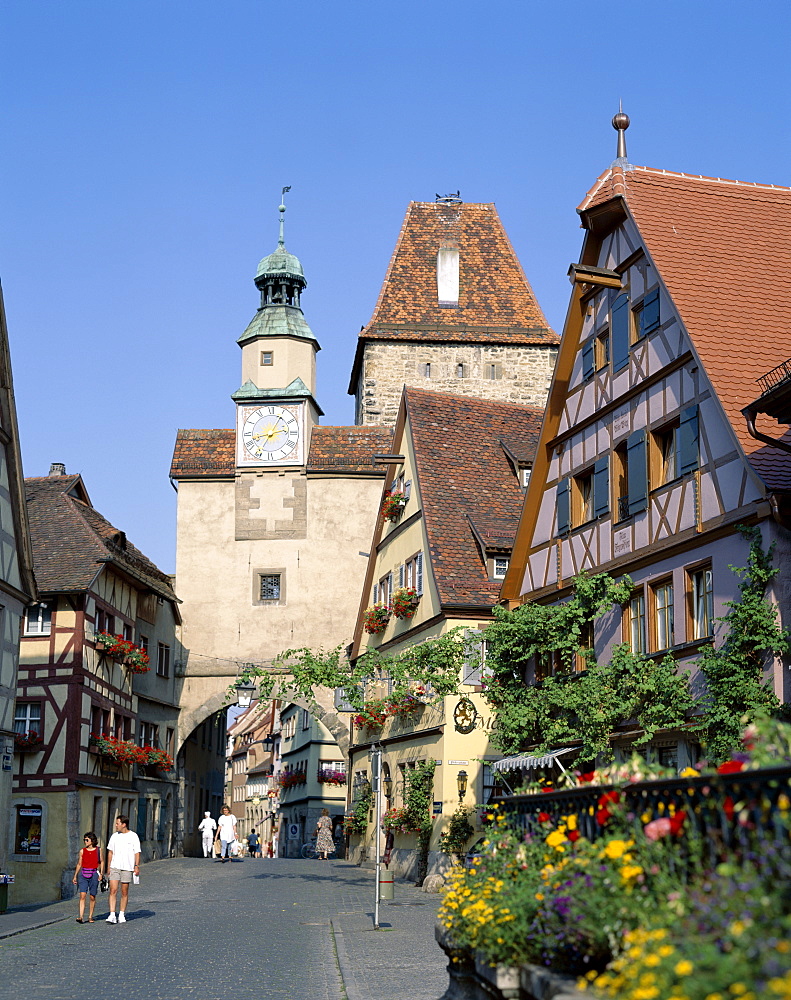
<point>736,685</point>
<point>418,796</point>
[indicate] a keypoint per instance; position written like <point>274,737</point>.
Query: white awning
<point>528,761</point>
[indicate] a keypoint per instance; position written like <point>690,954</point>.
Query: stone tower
<point>455,314</point>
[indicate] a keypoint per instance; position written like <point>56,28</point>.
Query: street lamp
<point>245,690</point>
<point>387,782</point>
<point>461,784</point>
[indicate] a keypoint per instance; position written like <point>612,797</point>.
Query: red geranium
<point>677,821</point>
<point>544,817</point>
<point>728,808</point>
<point>604,813</point>
<point>573,835</point>
<point>731,767</point>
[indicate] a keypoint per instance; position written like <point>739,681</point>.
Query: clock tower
<point>275,408</point>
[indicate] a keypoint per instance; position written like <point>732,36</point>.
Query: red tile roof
<point>468,486</point>
<point>723,250</point>
<point>204,453</point>
<point>71,540</point>
<point>344,450</point>
<point>333,450</point>
<point>496,302</point>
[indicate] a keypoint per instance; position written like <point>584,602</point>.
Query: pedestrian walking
<point>123,863</point>
<point>254,844</point>
<point>324,843</point>
<point>87,874</point>
<point>207,826</point>
<point>226,833</point>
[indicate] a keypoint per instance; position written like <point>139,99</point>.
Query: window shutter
<point>620,333</point>
<point>601,487</point>
<point>562,504</point>
<point>401,575</point>
<point>419,572</point>
<point>651,311</point>
<point>688,441</point>
<point>637,472</point>
<point>376,592</point>
<point>588,363</point>
<point>473,658</point>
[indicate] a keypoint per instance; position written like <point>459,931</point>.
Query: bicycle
<point>309,850</point>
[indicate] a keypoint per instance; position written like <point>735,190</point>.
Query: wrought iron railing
<point>623,508</point>
<point>731,813</point>
<point>775,377</point>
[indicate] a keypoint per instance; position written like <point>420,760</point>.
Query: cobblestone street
<point>288,930</point>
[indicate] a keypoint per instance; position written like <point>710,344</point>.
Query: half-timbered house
<point>645,465</point>
<point>451,504</point>
<point>80,692</point>
<point>17,587</point>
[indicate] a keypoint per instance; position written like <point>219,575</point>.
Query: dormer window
<point>499,567</point>
<point>448,278</point>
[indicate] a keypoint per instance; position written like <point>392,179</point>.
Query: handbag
<point>104,884</point>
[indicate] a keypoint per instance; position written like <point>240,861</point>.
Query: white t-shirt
<point>226,824</point>
<point>207,826</point>
<point>124,847</point>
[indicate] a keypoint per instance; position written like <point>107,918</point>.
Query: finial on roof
<point>454,198</point>
<point>281,243</point>
<point>621,123</point>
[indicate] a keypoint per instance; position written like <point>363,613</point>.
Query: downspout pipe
<point>750,414</point>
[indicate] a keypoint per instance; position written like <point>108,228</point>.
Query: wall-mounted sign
<point>465,715</point>
<point>437,810</point>
<point>293,831</point>
<point>452,762</point>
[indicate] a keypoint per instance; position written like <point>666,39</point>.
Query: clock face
<point>270,434</point>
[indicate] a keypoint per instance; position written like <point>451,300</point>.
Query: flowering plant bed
<point>373,716</point>
<point>288,779</point>
<point>132,656</point>
<point>399,821</point>
<point>28,741</point>
<point>393,506</point>
<point>662,889</point>
<point>156,758</point>
<point>327,776</point>
<point>121,751</point>
<point>376,617</point>
<point>405,602</point>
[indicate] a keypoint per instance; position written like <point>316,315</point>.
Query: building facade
<point>645,465</point>
<point>17,586</point>
<point>461,464</point>
<point>455,314</point>
<point>83,648</point>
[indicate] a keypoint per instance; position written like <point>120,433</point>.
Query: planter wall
<point>472,979</point>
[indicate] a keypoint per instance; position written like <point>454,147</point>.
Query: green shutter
<point>563,506</point>
<point>637,472</point>
<point>601,487</point>
<point>688,441</point>
<point>650,319</point>
<point>619,333</point>
<point>588,363</point>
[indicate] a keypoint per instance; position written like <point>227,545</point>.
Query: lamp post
<point>245,690</point>
<point>387,782</point>
<point>461,784</point>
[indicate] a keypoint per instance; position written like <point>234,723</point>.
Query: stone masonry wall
<point>524,371</point>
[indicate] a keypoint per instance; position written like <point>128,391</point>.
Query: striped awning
<point>527,761</point>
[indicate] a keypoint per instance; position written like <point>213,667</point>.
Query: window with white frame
<point>701,602</point>
<point>38,619</point>
<point>306,720</point>
<point>499,567</point>
<point>413,572</point>
<point>27,718</point>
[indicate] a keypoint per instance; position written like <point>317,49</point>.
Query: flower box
<point>375,618</point>
<point>328,776</point>
<point>135,658</point>
<point>119,751</point>
<point>289,779</point>
<point>156,759</point>
<point>405,602</point>
<point>26,742</point>
<point>393,506</point>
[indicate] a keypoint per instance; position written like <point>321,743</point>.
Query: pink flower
<point>657,828</point>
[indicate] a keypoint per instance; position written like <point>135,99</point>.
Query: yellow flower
<point>715,996</point>
<point>629,872</point>
<point>783,802</point>
<point>783,947</point>
<point>683,968</point>
<point>738,988</point>
<point>555,839</point>
<point>616,848</point>
<point>645,993</point>
<point>651,961</point>
<point>738,928</point>
<point>539,896</point>
<point>571,821</point>
<point>689,772</point>
<point>666,949</point>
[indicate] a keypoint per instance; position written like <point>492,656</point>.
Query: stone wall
<point>523,374</point>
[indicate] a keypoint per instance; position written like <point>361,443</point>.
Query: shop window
<point>27,830</point>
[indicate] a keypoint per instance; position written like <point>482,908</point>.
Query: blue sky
<point>145,145</point>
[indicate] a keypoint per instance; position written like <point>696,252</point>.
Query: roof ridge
<point>478,400</point>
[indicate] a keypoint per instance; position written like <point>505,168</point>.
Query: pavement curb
<point>31,927</point>
<point>347,974</point>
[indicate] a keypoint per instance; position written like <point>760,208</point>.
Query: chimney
<point>57,469</point>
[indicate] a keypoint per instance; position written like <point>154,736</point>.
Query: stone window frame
<point>258,601</point>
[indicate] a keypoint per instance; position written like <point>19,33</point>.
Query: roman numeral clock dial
<point>270,435</point>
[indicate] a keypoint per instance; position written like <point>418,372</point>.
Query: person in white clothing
<point>207,826</point>
<point>123,863</point>
<point>226,833</point>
